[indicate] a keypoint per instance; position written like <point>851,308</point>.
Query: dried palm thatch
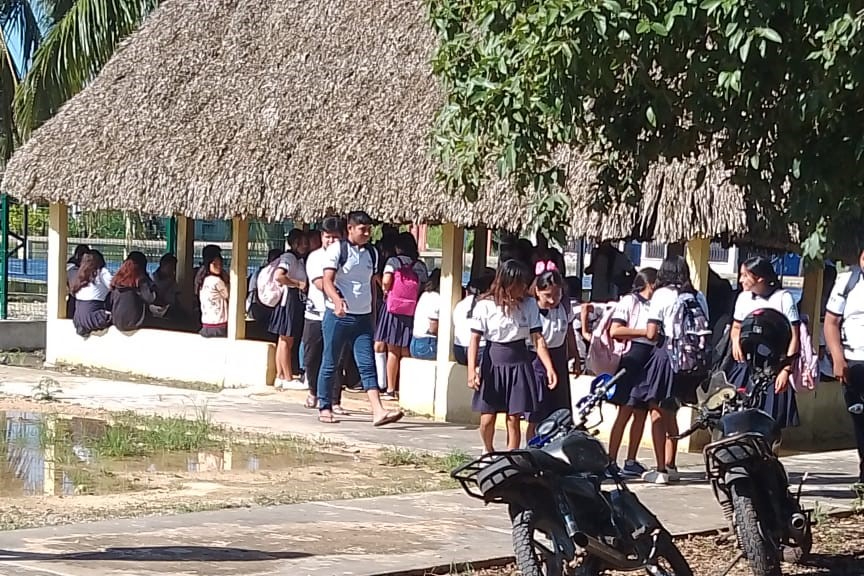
<point>222,108</point>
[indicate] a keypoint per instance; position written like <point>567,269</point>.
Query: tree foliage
<point>773,86</point>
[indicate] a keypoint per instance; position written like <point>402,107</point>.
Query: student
<point>259,311</point>
<point>424,341</point>
<point>213,297</point>
<point>557,330</point>
<point>386,249</point>
<point>463,311</point>
<point>72,266</point>
<point>611,273</point>
<point>132,292</point>
<point>313,337</point>
<point>349,272</point>
<point>90,289</point>
<point>404,274</point>
<point>762,290</point>
<point>630,324</point>
<point>506,317</point>
<point>844,336</point>
<point>662,386</point>
<point>287,319</point>
<point>168,295</point>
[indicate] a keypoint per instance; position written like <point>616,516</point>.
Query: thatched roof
<point>221,108</point>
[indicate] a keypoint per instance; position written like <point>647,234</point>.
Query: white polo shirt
<point>555,322</point>
<point>851,310</point>
<point>428,309</point>
<point>779,300</point>
<point>663,307</point>
<point>490,321</point>
<point>354,277</point>
<point>315,300</point>
<point>633,311</point>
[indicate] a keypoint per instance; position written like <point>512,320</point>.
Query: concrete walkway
<point>357,537</point>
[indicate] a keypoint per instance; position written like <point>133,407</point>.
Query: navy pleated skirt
<point>287,318</point>
<point>507,380</point>
<point>551,400</point>
<point>90,316</point>
<point>782,407</point>
<point>394,329</point>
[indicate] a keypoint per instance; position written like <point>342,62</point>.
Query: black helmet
<point>765,338</point>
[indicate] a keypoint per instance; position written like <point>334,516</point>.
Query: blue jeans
<point>356,331</point>
<point>424,348</point>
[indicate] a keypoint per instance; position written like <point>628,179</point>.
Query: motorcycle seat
<point>550,463</point>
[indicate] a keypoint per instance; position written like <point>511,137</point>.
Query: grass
<point>437,462</point>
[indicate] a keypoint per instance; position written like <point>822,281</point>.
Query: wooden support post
<point>58,233</point>
<point>237,288</point>
<point>811,301</point>
<point>480,249</point>
<point>452,243</point>
<point>697,252</point>
<point>185,241</point>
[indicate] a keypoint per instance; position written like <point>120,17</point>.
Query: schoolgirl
<point>213,299</point>
<point>287,319</point>
<point>761,289</point>
<point>630,324</point>
<point>556,318</point>
<point>90,289</point>
<point>464,310</point>
<point>507,316</point>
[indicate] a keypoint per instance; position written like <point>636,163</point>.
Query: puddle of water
<point>55,455</point>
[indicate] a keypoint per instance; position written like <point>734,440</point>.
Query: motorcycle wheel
<point>534,558</point>
<point>669,560</point>
<point>759,552</point>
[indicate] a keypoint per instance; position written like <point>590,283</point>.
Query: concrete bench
<point>164,354</point>
<point>445,398</point>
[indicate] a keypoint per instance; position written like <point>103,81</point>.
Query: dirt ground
<point>838,550</point>
<point>156,487</point>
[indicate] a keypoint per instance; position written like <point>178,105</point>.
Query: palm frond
<point>72,53</point>
<point>8,83</point>
<point>18,20</point>
<point>53,11</point>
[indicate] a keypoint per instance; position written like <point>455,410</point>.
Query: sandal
<point>311,402</point>
<point>389,418</point>
<point>339,411</point>
<point>327,418</point>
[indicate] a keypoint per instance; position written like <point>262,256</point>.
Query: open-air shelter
<point>287,110</point>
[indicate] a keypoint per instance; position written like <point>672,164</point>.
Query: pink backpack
<point>604,353</point>
<point>805,370</point>
<point>405,291</point>
<point>269,291</point>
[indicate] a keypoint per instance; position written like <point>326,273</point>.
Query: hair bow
<point>547,266</point>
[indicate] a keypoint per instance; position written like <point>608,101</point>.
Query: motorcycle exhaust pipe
<point>798,522</point>
<point>604,553</point>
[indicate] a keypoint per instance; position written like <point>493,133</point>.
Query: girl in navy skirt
<point>556,318</point>
<point>287,319</point>
<point>762,290</point>
<point>395,330</point>
<point>89,289</point>
<point>630,323</point>
<point>663,388</point>
<point>506,317</point>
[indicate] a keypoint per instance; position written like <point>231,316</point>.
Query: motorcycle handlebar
<point>589,402</point>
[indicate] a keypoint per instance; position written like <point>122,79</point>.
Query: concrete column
<point>185,241</point>
<point>237,289</point>
<point>811,301</point>
<point>696,252</point>
<point>58,233</point>
<point>480,250</point>
<point>452,241</point>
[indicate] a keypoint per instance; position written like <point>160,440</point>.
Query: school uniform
<point>130,305</point>
<point>424,344</point>
<point>554,327</point>
<point>662,383</point>
<point>353,281</point>
<point>396,329</point>
<point>462,314</point>
<point>782,407</point>
<point>213,298</point>
<point>633,311</point>
<point>313,336</point>
<point>850,308</point>
<point>287,317</point>
<point>89,312</point>
<point>507,379</point>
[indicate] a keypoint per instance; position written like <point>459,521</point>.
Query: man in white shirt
<point>844,335</point>
<point>348,274</point>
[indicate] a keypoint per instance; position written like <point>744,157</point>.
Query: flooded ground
<point>66,467</point>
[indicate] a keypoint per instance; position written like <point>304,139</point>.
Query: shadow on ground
<point>158,554</point>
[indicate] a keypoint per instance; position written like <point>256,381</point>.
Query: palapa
<point>222,108</point>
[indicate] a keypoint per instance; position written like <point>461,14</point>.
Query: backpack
<point>269,290</point>
<point>689,345</point>
<point>405,290</point>
<point>805,368</point>
<point>343,255</point>
<point>604,352</point>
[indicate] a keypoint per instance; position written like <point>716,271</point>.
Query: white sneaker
<point>656,477</point>
<point>674,475</point>
<point>278,383</point>
<point>294,385</point>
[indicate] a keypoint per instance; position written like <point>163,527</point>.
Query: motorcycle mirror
<point>602,381</point>
<point>717,383</point>
<point>717,400</point>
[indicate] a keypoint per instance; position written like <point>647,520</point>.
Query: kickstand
<point>732,565</point>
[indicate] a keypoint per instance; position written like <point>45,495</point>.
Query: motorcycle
<point>563,520</point>
<point>748,479</point>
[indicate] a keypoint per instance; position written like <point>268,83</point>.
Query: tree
<point>60,46</point>
<point>773,87</point>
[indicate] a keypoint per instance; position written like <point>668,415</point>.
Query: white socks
<point>381,369</point>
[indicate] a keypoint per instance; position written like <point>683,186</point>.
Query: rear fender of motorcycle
<point>735,474</point>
